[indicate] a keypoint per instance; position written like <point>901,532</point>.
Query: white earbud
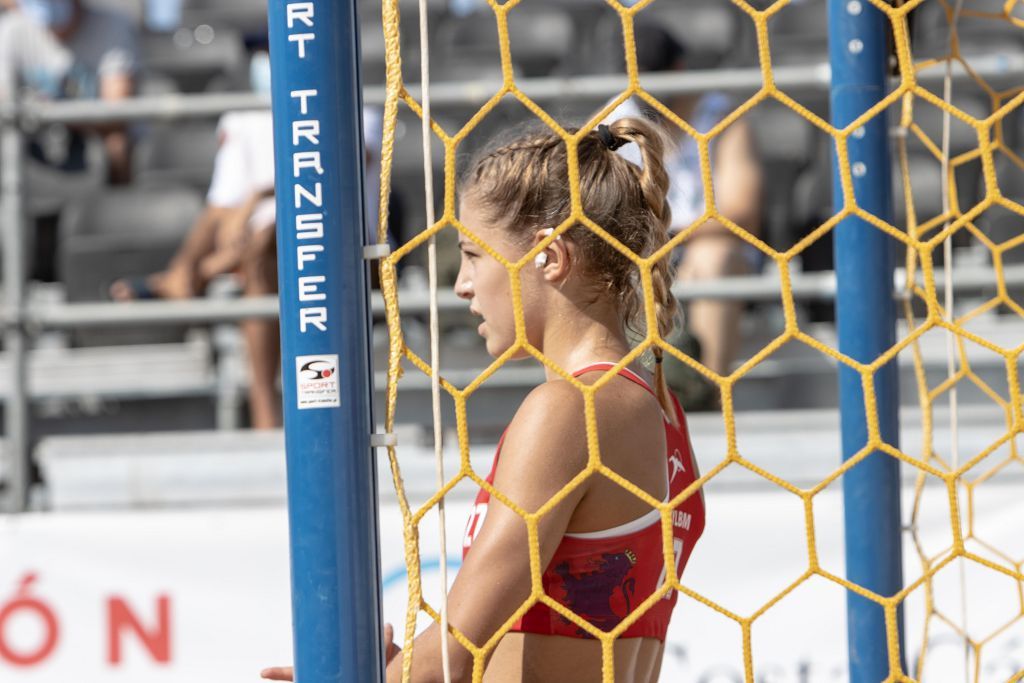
<point>541,259</point>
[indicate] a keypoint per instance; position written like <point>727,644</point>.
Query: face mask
<point>50,13</point>
<point>259,73</point>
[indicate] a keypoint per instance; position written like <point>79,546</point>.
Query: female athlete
<point>601,546</point>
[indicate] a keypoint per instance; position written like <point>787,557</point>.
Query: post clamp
<point>383,440</point>
<point>373,252</point>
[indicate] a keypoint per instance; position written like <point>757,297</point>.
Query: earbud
<point>541,259</point>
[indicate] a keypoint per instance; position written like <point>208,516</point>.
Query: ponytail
<point>654,182</point>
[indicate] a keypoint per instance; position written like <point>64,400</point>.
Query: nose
<point>463,286</point>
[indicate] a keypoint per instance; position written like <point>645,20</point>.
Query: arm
<point>117,86</point>
<point>544,449</point>
<point>737,178</point>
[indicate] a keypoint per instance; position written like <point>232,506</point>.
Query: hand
<point>287,673</point>
<point>390,649</point>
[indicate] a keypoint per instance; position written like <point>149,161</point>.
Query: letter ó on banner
<point>23,603</point>
<point>157,640</point>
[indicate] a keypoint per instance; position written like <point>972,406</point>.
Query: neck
<point>576,337</point>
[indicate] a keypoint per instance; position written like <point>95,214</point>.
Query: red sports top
<point>603,575</point>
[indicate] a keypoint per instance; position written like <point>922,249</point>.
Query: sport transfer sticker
<point>316,381</point>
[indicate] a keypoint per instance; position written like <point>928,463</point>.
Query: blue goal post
<point>325,341</point>
<point>866,326</point>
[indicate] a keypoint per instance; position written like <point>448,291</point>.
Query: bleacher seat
<point>540,38</point>
<point>1000,223</point>
<point>710,32</point>
<point>798,33</point>
<point>248,17</point>
<point>181,153</point>
<point>371,43</point>
<point>122,232</point>
<point>977,35</point>
<point>194,56</point>
<point>785,143</point>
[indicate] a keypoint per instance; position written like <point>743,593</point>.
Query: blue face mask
<point>50,13</point>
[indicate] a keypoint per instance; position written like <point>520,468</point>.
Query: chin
<point>496,347</point>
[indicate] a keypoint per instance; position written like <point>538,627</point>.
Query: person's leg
<point>181,279</point>
<point>262,337</point>
<point>714,322</point>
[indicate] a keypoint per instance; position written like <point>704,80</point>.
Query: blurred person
<point>235,234</point>
<point>712,251</point>
<point>63,49</point>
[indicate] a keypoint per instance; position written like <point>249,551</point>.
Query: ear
<point>558,261</point>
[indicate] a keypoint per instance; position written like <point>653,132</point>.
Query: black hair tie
<point>609,139</point>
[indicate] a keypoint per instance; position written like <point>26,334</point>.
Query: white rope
<point>435,362</point>
<point>951,369</point>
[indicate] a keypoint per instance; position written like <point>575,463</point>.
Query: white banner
<point>202,595</point>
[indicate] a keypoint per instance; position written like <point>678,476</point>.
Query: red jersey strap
<point>608,365</point>
<point>636,379</point>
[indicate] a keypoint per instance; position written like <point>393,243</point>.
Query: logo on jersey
<point>676,462</point>
<point>474,524</point>
<point>590,593</point>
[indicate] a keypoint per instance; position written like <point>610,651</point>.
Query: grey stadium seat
<point>194,57</point>
<point>978,36</point>
<point>122,232</point>
<point>181,153</point>
<point>540,38</point>
<point>709,30</point>
<point>245,16</point>
<point>785,143</point>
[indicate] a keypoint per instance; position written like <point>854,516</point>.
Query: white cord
<point>947,251</point>
<point>435,343</point>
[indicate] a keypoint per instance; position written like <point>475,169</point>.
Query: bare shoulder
<point>549,422</point>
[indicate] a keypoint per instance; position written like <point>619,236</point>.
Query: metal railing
<point>20,323</point>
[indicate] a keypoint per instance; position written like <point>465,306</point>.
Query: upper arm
<point>738,174</point>
<point>545,448</point>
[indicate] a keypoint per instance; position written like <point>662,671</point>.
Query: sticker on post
<point>316,381</point>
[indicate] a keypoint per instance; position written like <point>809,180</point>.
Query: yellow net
<point>922,305</point>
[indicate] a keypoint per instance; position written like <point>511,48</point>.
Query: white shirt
<point>682,163</point>
<point>245,164</point>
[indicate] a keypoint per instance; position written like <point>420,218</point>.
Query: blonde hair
<point>523,185</point>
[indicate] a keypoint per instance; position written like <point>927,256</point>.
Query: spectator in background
<point>235,234</point>
<point>712,251</point>
<point>56,49</point>
<point>62,49</point>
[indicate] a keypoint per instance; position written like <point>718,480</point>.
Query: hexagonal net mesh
<point>923,306</point>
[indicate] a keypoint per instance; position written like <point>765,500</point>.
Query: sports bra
<point>603,575</point>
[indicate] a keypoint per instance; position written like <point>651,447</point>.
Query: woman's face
<point>484,282</point>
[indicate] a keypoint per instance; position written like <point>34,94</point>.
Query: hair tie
<point>609,139</point>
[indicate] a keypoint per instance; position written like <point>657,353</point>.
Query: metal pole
<point>1004,70</point>
<point>866,322</point>
<point>16,418</point>
<point>325,329</point>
